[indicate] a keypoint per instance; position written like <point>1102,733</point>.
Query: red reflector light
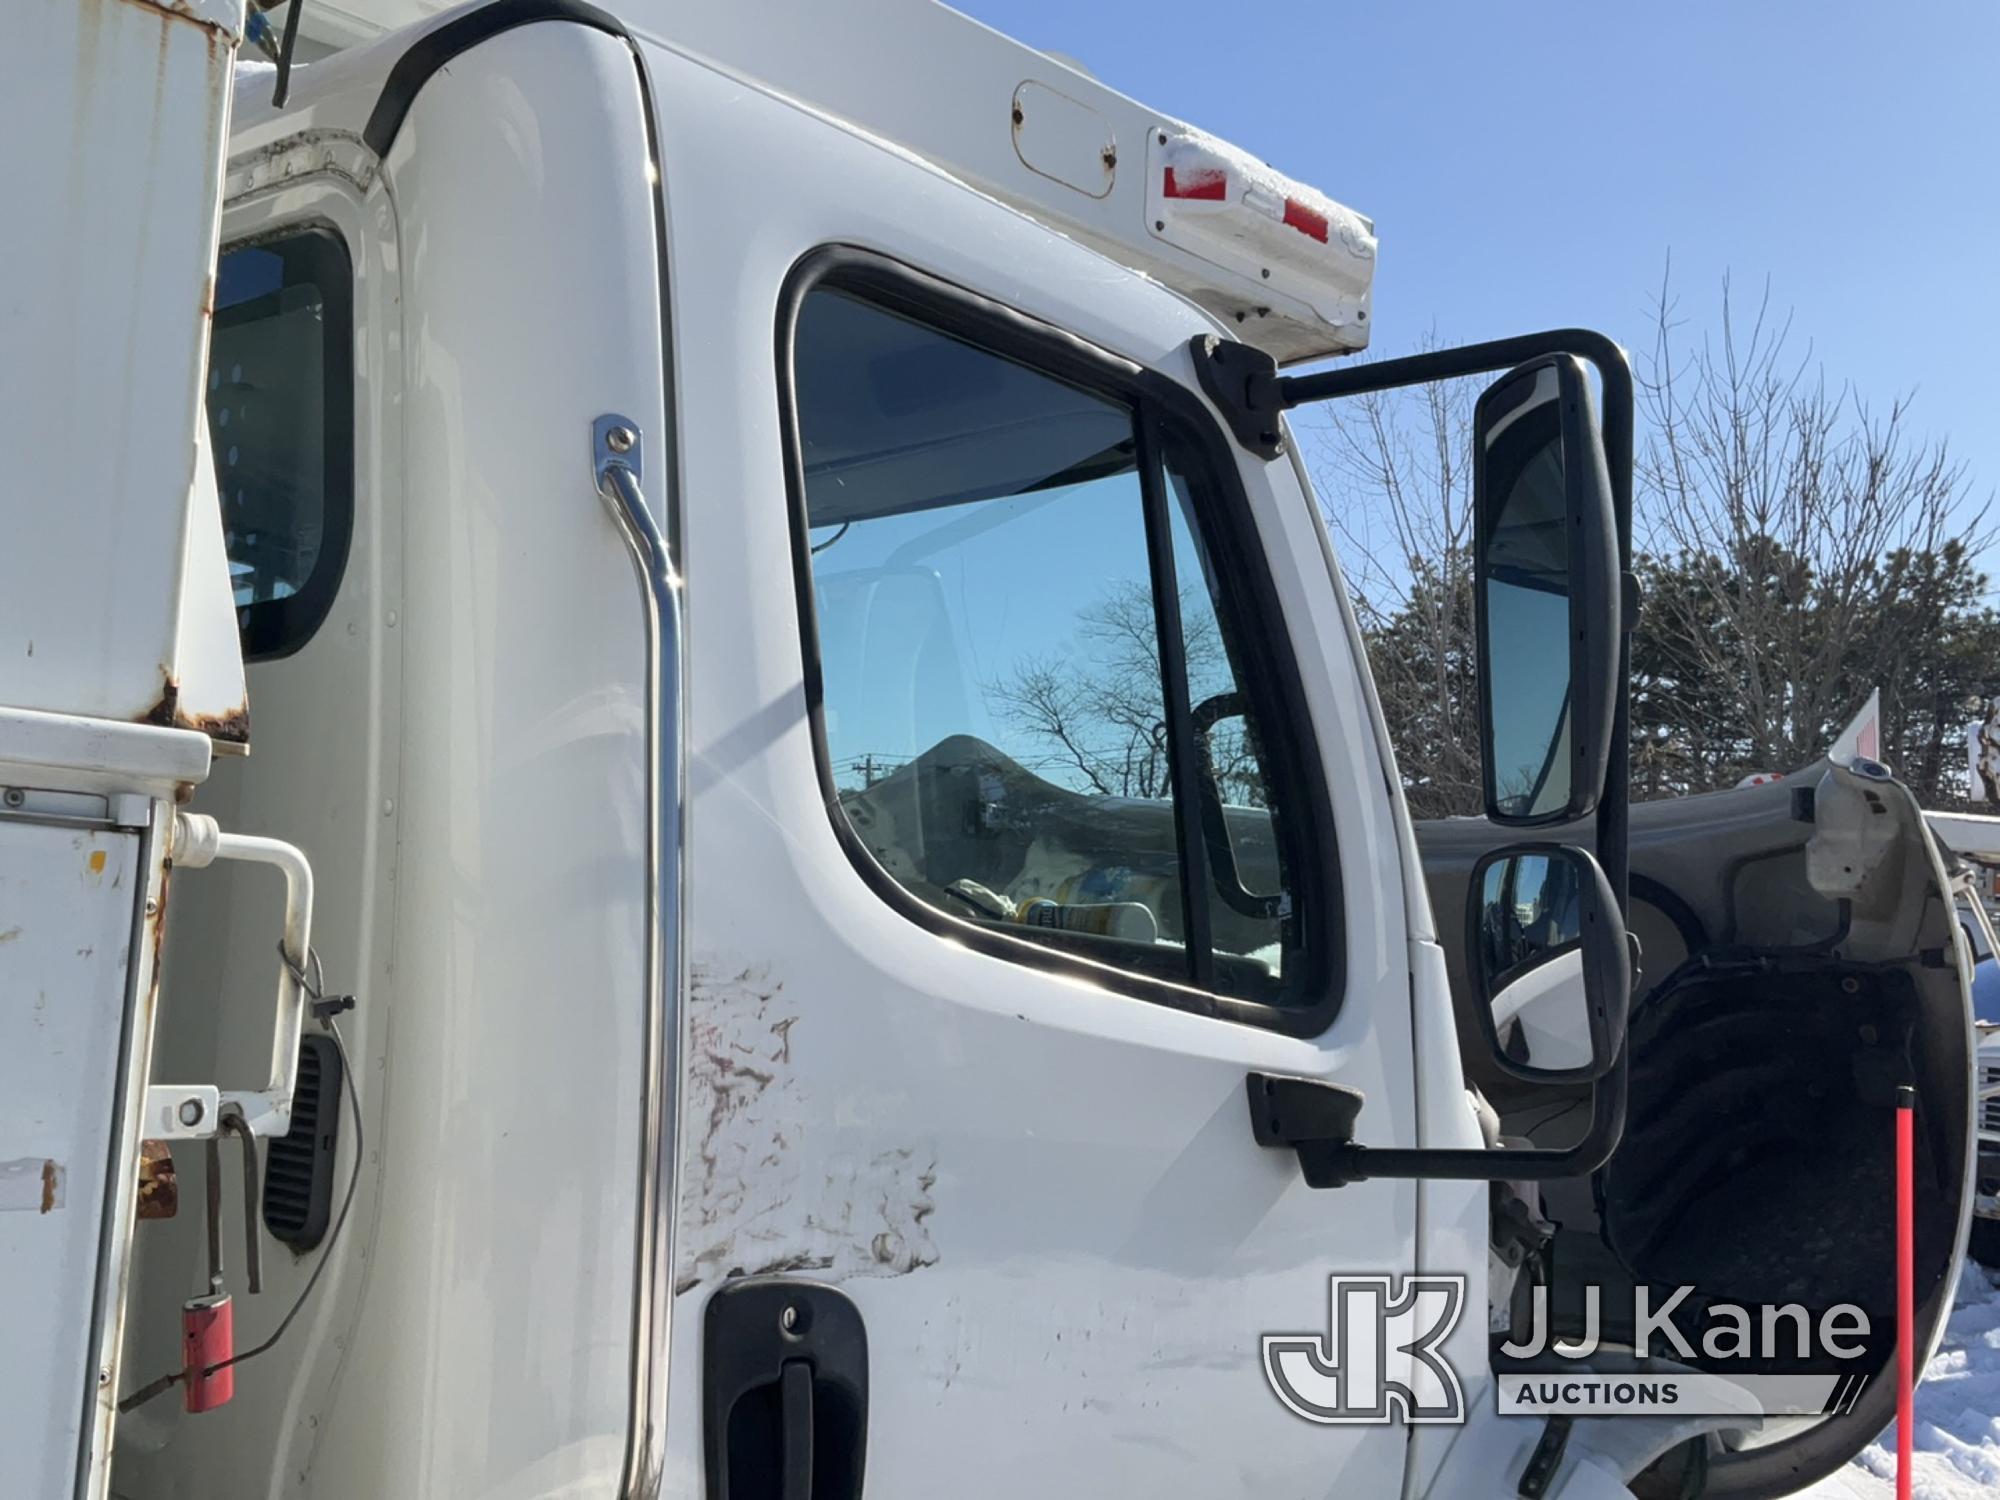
<point>1306,220</point>
<point>1206,183</point>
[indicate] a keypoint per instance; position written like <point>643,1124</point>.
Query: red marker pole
<point>1906,1284</point>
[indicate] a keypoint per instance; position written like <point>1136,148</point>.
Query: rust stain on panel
<point>178,10</point>
<point>231,726</point>
<point>31,1184</point>
<point>159,1188</point>
<point>158,922</point>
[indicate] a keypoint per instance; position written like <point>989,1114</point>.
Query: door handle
<point>784,1391</point>
<point>797,1438</point>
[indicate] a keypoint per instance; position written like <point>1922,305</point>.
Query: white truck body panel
<point>62,1024</point>
<point>110,255</point>
<point>119,665</point>
<point>1034,130</point>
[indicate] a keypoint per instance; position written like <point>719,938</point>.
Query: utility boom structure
<point>833,897</point>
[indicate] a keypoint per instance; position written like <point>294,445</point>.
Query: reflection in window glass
<point>992,698</point>
<point>1530,910</point>
<point>990,686</point>
<point>1249,905</point>
<point>279,419</point>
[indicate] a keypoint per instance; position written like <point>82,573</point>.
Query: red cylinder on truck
<point>208,1337</point>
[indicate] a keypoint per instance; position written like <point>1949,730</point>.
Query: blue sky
<point>1529,166</point>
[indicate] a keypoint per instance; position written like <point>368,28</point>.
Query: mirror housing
<point>1551,962</point>
<point>1547,579</point>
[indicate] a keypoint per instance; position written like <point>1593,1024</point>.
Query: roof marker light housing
<point>1211,200</point>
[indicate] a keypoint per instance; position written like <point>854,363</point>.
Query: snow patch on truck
<point>766,1188</point>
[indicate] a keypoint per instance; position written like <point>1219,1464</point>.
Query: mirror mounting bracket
<point>1244,384</point>
<point>1314,1118</point>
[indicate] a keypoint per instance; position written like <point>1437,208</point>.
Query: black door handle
<point>784,1391</point>
<point>797,1437</point>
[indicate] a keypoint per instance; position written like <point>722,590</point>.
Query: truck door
<point>1031,805</point>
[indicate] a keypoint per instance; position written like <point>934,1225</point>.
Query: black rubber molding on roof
<point>434,49</point>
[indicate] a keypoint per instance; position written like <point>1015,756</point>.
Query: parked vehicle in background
<point>1972,844</point>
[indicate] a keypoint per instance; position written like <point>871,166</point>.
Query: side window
<point>1017,636</point>
<point>281,423</point>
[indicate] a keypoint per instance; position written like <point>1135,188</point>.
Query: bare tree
<point>1803,525</point>
<point>1098,708</point>
<point>1797,548</point>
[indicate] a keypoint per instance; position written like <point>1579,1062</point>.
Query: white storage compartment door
<point>66,925</point>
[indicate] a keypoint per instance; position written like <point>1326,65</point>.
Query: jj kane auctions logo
<point>1381,1358</point>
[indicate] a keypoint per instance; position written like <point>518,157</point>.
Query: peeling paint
<point>336,153</point>
<point>768,1188</point>
<point>231,726</point>
<point>31,1184</point>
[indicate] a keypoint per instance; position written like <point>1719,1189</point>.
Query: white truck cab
<point>782,621</point>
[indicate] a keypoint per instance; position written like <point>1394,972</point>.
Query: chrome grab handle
<point>618,471</point>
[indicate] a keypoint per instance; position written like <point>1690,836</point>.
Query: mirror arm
<point>1316,1120</point>
<point>1246,387</point>
<point>1245,383</point>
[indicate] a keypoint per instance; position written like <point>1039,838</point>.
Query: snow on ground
<point>1958,1413</point>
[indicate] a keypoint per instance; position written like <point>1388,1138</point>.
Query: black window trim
<point>272,629</point>
<point>1161,406</point>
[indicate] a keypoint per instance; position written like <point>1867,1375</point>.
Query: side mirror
<point>1551,962</point>
<point>1547,583</point>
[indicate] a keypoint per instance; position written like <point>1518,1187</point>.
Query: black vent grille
<point>298,1169</point>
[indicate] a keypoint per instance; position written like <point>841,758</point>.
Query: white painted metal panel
<point>1044,1197</point>
<point>942,85</point>
<point>67,897</point>
<point>522,919</point>
<point>116,112</point>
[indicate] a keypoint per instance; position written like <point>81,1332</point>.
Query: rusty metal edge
<point>231,727</point>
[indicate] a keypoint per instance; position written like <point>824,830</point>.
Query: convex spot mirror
<point>1547,594</point>
<point>1550,962</point>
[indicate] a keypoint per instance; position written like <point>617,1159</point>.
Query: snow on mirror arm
<point>994,700</point>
